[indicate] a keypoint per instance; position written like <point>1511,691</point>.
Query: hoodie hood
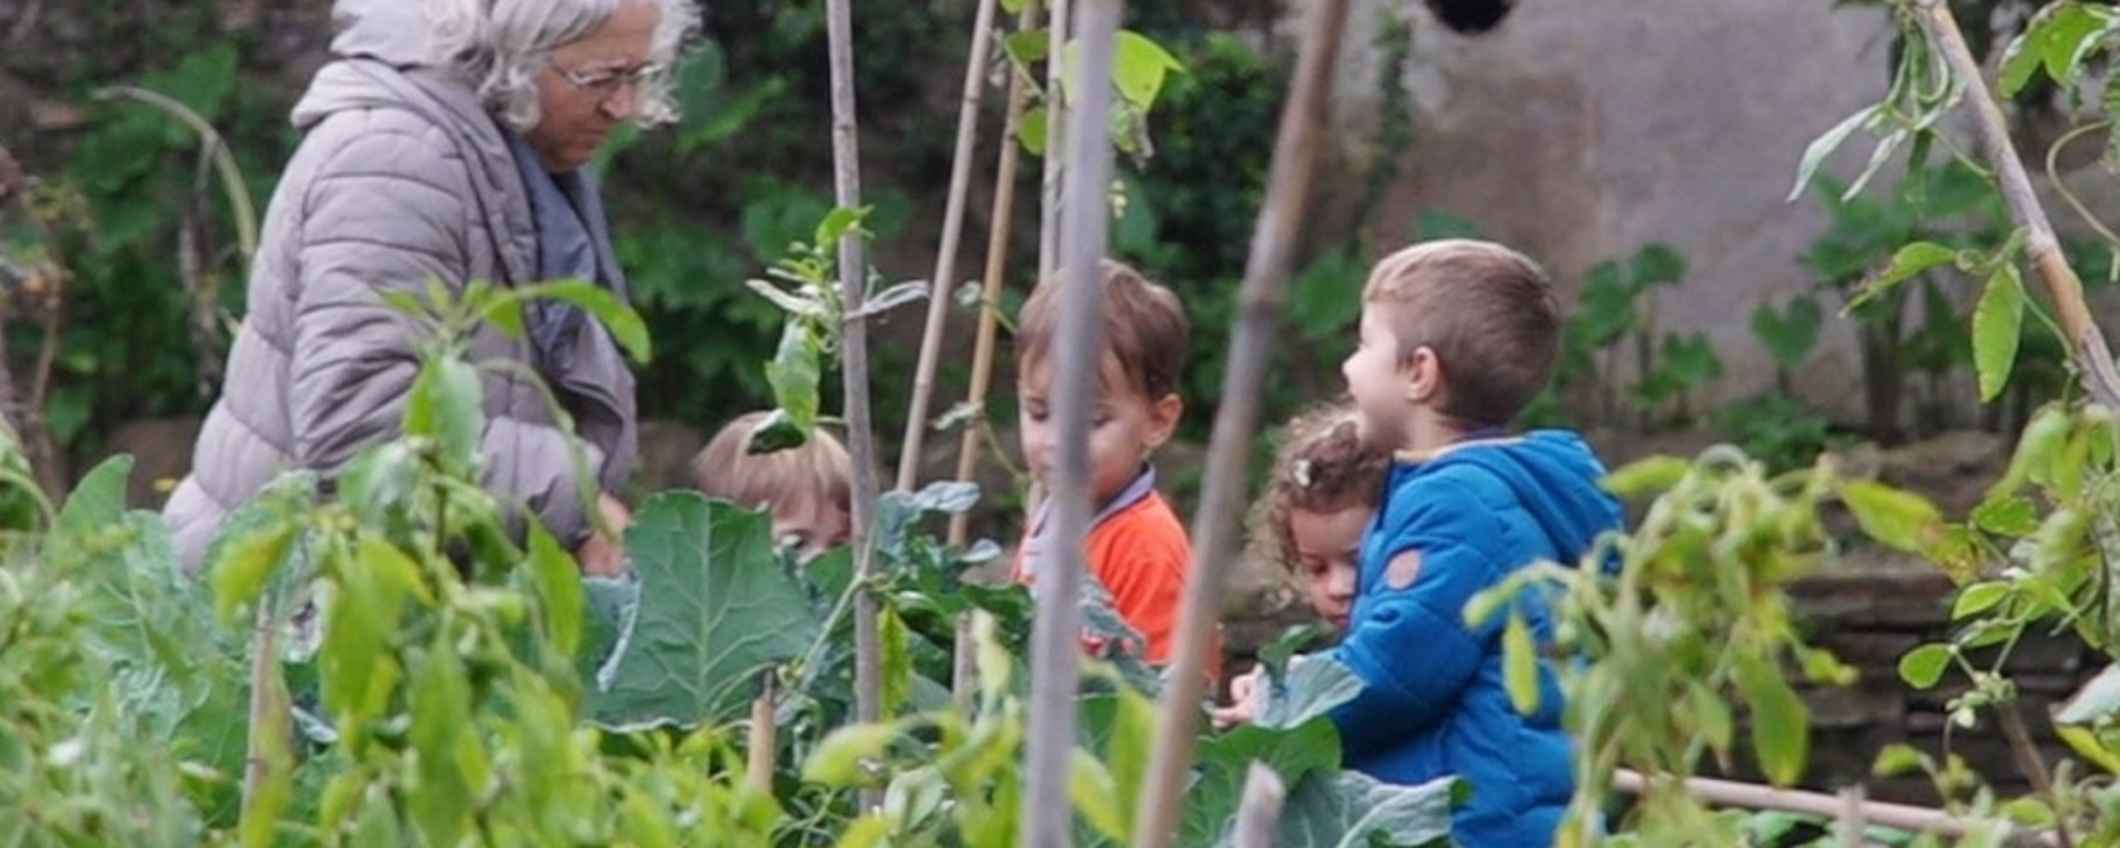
<point>391,31</point>
<point>1556,478</point>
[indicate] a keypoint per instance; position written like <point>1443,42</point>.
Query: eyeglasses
<point>604,83</point>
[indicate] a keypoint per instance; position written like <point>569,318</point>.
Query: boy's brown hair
<point>1145,328</point>
<point>819,468</point>
<point>1486,311</point>
<point>1322,466</point>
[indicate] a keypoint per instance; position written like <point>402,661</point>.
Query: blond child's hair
<point>1322,466</point>
<point>1486,311</point>
<point>1145,328</point>
<point>784,479</point>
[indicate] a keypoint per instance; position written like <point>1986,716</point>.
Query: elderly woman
<point>445,142</point>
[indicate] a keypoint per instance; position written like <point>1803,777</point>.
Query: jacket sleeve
<point>1410,646</point>
<point>385,212</point>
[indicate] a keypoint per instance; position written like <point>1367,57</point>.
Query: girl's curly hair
<point>1321,466</point>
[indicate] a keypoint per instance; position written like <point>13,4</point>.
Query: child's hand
<point>602,556</point>
<point>1247,696</point>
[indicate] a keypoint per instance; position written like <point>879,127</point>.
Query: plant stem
<point>2033,765</point>
<point>2085,341</point>
<point>1055,123</point>
<point>1214,529</point>
<point>264,701</point>
<point>997,244</point>
<point>1056,651</point>
<point>2053,177</point>
<point>916,420</point>
<point>854,359</point>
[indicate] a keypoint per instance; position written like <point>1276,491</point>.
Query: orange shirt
<point>1141,554</point>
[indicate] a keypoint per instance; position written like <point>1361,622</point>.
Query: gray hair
<point>500,45</point>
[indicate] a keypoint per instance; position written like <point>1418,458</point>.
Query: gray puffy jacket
<point>401,177</point>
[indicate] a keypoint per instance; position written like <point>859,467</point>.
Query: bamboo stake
<point>854,352</point>
<point>916,419</point>
<point>2088,345</point>
<point>1214,529</point>
<point>1260,810</point>
<point>763,739</point>
<point>1729,793</point>
<point>1056,651</point>
<point>997,245</point>
<point>1055,121</point>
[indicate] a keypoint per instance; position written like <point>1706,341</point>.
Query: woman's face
<point>592,84</point>
<point>1328,549</point>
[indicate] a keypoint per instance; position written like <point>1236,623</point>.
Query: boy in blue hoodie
<point>1456,338</point>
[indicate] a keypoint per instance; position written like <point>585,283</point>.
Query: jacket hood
<point>1556,477</point>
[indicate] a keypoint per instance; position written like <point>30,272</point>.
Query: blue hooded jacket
<point>1433,703</point>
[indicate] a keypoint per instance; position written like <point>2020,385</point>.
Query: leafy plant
<point>1619,305</point>
<point>1688,611</point>
<point>1778,430</point>
<point>1789,335</point>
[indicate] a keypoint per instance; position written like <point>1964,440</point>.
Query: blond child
<point>1136,546</point>
<point>808,488</point>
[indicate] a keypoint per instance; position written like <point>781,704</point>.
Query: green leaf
<point>1997,322</point>
<point>1781,732</point>
<point>447,404</point>
<point>841,222</point>
<point>1315,684</point>
<point>1908,262</point>
<point>1789,336</point>
<point>1979,598</point>
<point>1658,264</point>
<point>1300,753</point>
<point>505,313</point>
<point>559,589</point>
<point>1033,131</point>
<point>441,703</point>
<point>1711,716</point>
<point>98,501</point>
<point>2013,516</point>
<point>777,432</point>
<point>716,605</point>
<point>1096,795</point>
<point>1922,667</point>
<point>2096,701</point>
<point>244,566</point>
<point>2043,441</point>
<point>2086,743</point>
<point>1139,66</point>
<point>1893,517</point>
<point>1898,759</point>
<point>1028,47</point>
<point>866,832</point>
<point>1353,809</point>
<point>625,325</point>
<point>1823,146</point>
<point>837,760</point>
<point>897,660</point>
<point>1520,665</point>
<point>794,373</point>
<point>1644,478</point>
<point>611,606</point>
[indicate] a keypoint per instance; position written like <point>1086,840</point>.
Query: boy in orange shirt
<point>1136,548</point>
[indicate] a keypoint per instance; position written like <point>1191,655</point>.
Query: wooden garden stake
<point>939,286</point>
<point>1055,121</point>
<point>1214,530</point>
<point>1260,810</point>
<point>763,739</point>
<point>997,244</point>
<point>854,353</point>
<point>1056,651</point>
<point>2086,343</point>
